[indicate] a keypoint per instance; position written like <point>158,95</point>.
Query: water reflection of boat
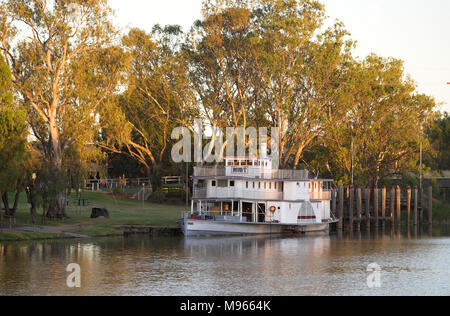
<point>262,245</point>
<point>249,197</point>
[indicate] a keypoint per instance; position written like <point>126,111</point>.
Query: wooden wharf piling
<point>378,207</point>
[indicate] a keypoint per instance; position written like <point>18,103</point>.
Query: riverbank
<point>123,212</point>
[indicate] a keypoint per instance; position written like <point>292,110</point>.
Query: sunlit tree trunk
<point>32,203</point>
<point>57,209</point>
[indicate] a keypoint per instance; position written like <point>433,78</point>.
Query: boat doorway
<point>261,213</point>
<point>247,211</point>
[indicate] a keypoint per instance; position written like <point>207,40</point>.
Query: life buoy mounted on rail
<point>273,209</point>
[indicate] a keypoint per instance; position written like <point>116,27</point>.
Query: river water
<point>410,264</point>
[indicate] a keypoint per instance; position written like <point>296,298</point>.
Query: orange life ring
<point>273,209</point>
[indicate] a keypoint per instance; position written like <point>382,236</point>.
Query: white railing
<point>234,194</point>
<point>200,193</point>
<point>209,172</point>
<point>251,173</point>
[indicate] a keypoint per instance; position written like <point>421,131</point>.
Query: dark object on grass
<point>99,212</point>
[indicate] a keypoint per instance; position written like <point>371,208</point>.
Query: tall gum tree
<point>384,123</point>
<point>219,58</point>
<point>12,140</point>
<point>269,64</point>
<point>43,42</point>
<point>299,67</point>
<point>156,100</point>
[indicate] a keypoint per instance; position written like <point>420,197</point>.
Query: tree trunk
<point>8,211</point>
<point>16,200</point>
<point>33,211</point>
<point>58,208</point>
<point>155,178</point>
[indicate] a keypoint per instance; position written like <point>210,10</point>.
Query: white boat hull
<point>192,227</point>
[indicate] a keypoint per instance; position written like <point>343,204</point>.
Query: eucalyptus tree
<point>300,68</point>
<point>270,64</point>
<point>13,134</point>
<point>157,98</point>
<point>439,135</point>
<point>220,56</point>
<point>64,68</point>
<point>383,132</point>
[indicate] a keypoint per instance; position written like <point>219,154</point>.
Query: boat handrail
<point>257,173</point>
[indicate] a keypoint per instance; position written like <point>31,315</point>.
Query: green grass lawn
<point>24,236</point>
<point>122,212</point>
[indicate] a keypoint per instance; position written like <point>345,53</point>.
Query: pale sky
<point>416,31</point>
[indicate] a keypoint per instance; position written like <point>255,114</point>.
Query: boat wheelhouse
<point>248,196</point>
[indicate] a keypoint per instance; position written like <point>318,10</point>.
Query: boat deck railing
<point>202,193</point>
<point>253,173</point>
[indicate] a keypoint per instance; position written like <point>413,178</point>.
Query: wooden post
<point>421,206</point>
<point>392,204</point>
<point>351,205</point>
<point>383,205</point>
<point>416,206</point>
<point>333,201</point>
<point>408,207</point>
<point>376,205</point>
<point>399,206</point>
<point>359,207</point>
<point>430,205</point>
<point>187,184</point>
<point>368,206</point>
<point>341,208</point>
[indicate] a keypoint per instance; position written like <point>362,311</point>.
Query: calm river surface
<point>311,265</point>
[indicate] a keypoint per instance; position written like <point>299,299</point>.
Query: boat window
<point>246,185</point>
<point>201,184</point>
<point>223,184</point>
<point>213,183</point>
<point>259,185</point>
<point>275,185</point>
<point>253,185</point>
<point>232,183</point>
<point>270,185</point>
<point>236,162</point>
